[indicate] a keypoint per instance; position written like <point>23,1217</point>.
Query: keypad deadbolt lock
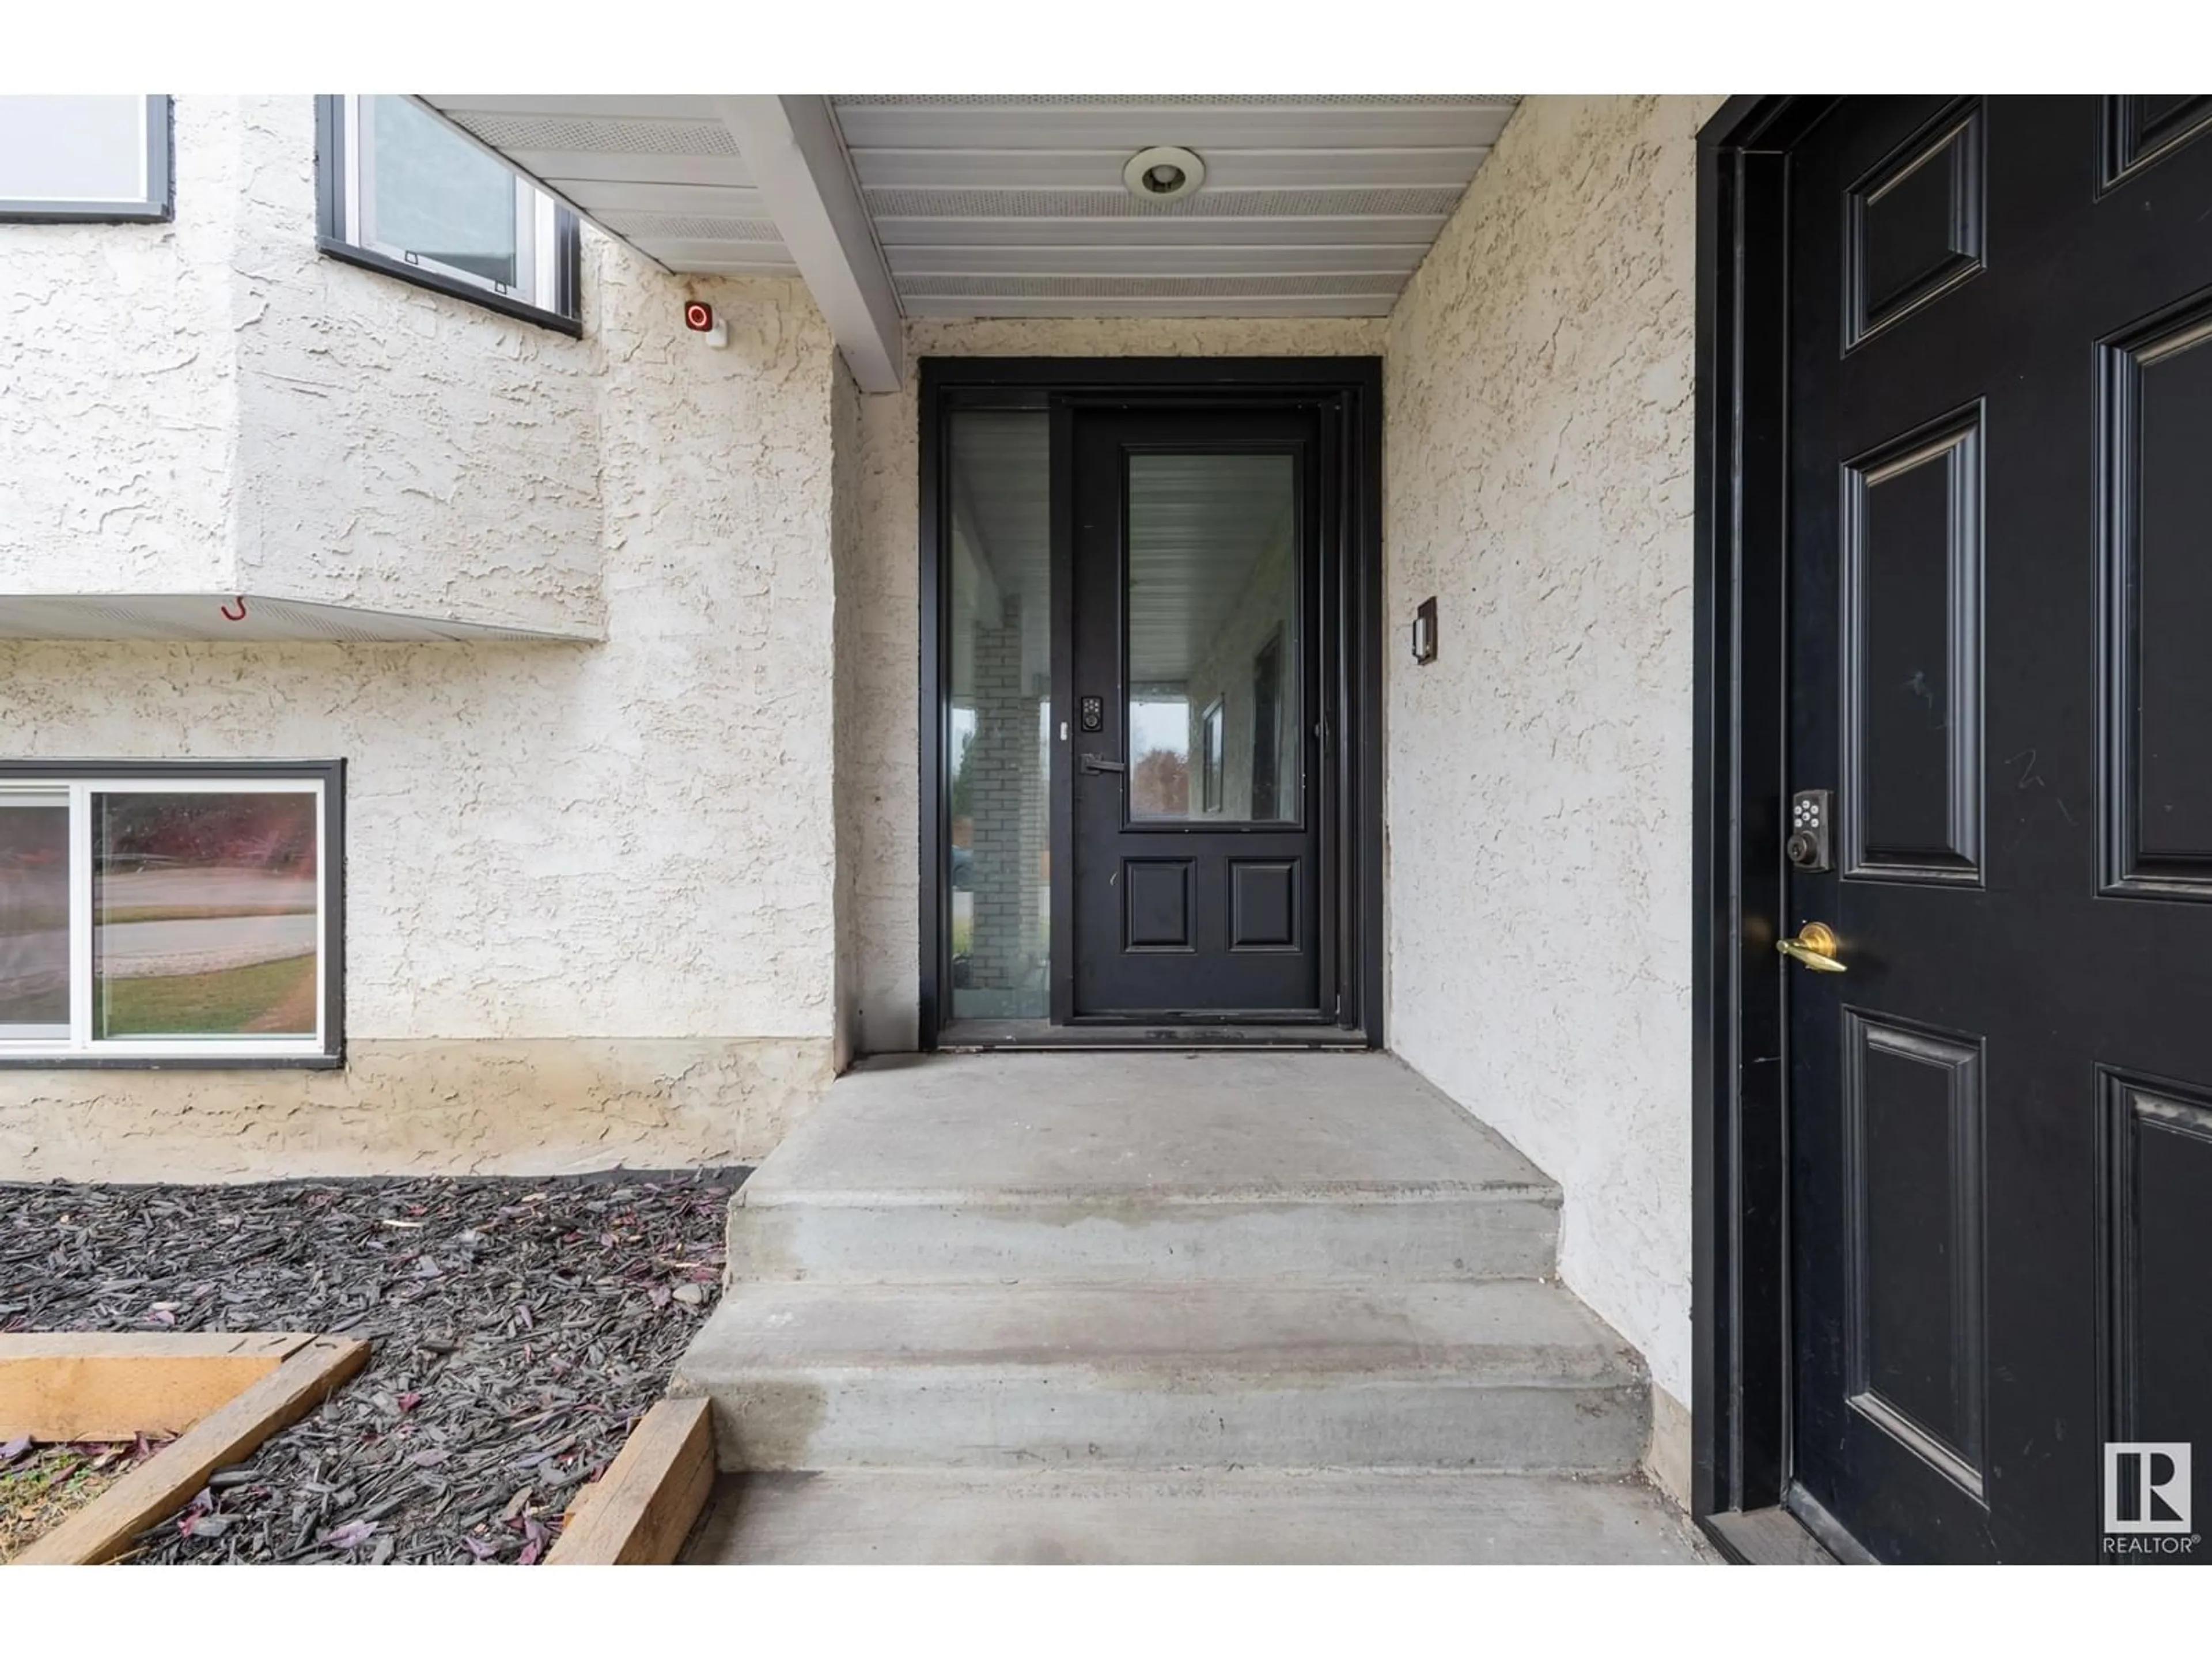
<point>1091,712</point>
<point>1812,815</point>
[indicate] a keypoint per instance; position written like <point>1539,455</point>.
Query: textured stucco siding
<point>887,807</point>
<point>397,451</point>
<point>545,1107</point>
<point>1538,459</point>
<point>119,394</point>
<point>590,887</point>
<point>211,405</point>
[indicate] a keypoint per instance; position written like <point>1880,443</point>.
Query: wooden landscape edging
<point>100,1385</point>
<point>289,1388</point>
<point>639,1512</point>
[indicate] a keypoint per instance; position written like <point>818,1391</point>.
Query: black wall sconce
<point>1425,630</point>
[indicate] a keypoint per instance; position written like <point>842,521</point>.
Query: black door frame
<point>1346,391</point>
<point>1741,1328</point>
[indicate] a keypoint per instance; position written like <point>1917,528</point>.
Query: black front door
<point>1195,784</point>
<point>2001,561</point>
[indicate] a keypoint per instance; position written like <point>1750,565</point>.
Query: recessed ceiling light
<point>1163,172</point>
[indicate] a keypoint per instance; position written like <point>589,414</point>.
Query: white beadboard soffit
<point>1014,206</point>
<point>661,171</point>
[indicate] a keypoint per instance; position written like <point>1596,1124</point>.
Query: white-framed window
<point>404,193</point>
<point>161,913</point>
<point>80,156</point>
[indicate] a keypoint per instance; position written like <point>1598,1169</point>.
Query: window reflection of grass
<point>116,915</point>
<point>261,1000</point>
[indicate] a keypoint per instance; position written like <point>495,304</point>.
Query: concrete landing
<point>1210,1123</point>
<point>988,1167</point>
<point>1231,1517</point>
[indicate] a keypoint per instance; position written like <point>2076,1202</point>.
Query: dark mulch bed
<point>520,1327</point>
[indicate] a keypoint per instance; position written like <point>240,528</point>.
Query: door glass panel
<point>1213,618</point>
<point>205,919</point>
<point>34,920</point>
<point>997,741</point>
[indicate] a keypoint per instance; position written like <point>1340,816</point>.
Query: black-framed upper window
<point>78,157</point>
<point>400,192</point>
<point>171,912</point>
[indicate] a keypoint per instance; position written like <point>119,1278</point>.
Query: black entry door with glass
<point>1151,626</point>
<point>1195,889</point>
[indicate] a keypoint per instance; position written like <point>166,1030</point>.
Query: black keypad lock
<point>1092,714</point>
<point>1811,815</point>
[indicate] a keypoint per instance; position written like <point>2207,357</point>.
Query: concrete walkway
<point>1321,1517</point>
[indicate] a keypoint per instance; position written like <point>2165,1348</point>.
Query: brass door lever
<point>1814,946</point>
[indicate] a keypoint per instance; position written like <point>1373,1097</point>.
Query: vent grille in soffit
<point>585,134</point>
<point>692,226</point>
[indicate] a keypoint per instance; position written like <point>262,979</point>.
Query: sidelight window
<point>999,718</point>
<point>160,913</point>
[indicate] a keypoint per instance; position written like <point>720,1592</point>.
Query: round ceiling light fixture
<point>1163,172</point>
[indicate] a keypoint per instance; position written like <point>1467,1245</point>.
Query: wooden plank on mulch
<point>638,1513</point>
<point>100,1385</point>
<point>165,1483</point>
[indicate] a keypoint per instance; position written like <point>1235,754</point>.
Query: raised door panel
<point>1156,896</point>
<point>1912,659</point>
<point>2157,691</point>
<point>2143,128</point>
<point>1913,225</point>
<point>2158,1234</point>
<point>1914,1333</point>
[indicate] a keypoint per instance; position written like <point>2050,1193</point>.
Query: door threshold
<point>974,1035</point>
<point>1767,1538</point>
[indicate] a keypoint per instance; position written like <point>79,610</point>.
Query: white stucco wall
<point>119,398</point>
<point>210,406</point>
<point>885,810</point>
<point>1538,462</point>
<point>590,886</point>
<point>394,453</point>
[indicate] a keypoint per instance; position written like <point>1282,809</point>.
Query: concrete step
<point>1507,1375</point>
<point>1166,1166</point>
<point>1226,1517</point>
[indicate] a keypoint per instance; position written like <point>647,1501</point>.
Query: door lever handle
<point>1814,946</point>
<point>1100,764</point>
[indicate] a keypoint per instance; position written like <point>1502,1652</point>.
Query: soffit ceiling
<point>1000,207</point>
<point>1012,206</point>
<point>661,171</point>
